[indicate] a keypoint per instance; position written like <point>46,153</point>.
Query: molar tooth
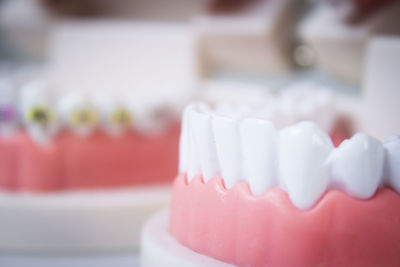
<point>302,152</point>
<point>357,165</point>
<point>259,153</point>
<point>227,138</point>
<point>205,144</point>
<point>392,161</point>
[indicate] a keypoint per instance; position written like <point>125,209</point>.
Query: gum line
<point>98,161</point>
<point>268,230</point>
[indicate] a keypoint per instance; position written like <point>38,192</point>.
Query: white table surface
<point>113,260</point>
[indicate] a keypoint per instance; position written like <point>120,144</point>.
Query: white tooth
<point>106,105</point>
<point>189,144</point>
<point>205,144</point>
<point>184,142</point>
<point>302,152</point>
<point>227,138</point>
<point>357,164</point>
<point>73,102</point>
<point>392,161</point>
<point>259,154</point>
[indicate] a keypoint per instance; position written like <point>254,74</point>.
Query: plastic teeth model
<point>249,194</point>
<point>78,113</point>
<point>37,112</point>
<point>301,158</point>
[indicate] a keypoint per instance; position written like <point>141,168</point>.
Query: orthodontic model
<point>251,195</point>
<point>84,164</point>
<point>84,141</point>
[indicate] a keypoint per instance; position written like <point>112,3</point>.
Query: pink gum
<point>99,161</point>
<point>236,227</point>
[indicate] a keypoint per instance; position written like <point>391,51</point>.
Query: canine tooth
<point>302,152</point>
<point>205,144</point>
<point>392,161</point>
<point>357,165</point>
<point>259,153</point>
<point>227,138</point>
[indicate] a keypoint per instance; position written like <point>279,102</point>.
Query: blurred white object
<point>253,40</point>
<point>148,60</point>
<point>340,45</point>
<point>78,221</point>
<point>381,83</point>
<point>103,260</point>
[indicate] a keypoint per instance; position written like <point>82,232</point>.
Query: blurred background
<point>174,51</point>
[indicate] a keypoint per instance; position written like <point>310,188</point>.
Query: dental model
<point>91,167</point>
<point>83,141</point>
<point>250,194</point>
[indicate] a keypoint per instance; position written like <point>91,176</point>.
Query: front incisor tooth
<point>189,161</point>
<point>302,153</point>
<point>357,164</point>
<point>205,144</point>
<point>184,142</point>
<point>227,139</point>
<point>259,154</point>
<point>392,161</point>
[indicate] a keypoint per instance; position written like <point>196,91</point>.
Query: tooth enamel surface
<point>227,139</point>
<point>194,167</point>
<point>205,144</point>
<point>184,142</point>
<point>259,154</point>
<point>357,164</point>
<point>392,161</point>
<point>302,153</point>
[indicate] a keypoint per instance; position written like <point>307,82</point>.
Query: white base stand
<point>159,248</point>
<point>79,221</point>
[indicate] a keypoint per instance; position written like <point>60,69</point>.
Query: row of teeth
<point>78,112</point>
<point>302,100</point>
<point>300,159</point>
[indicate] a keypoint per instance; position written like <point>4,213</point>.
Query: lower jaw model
<point>250,195</point>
